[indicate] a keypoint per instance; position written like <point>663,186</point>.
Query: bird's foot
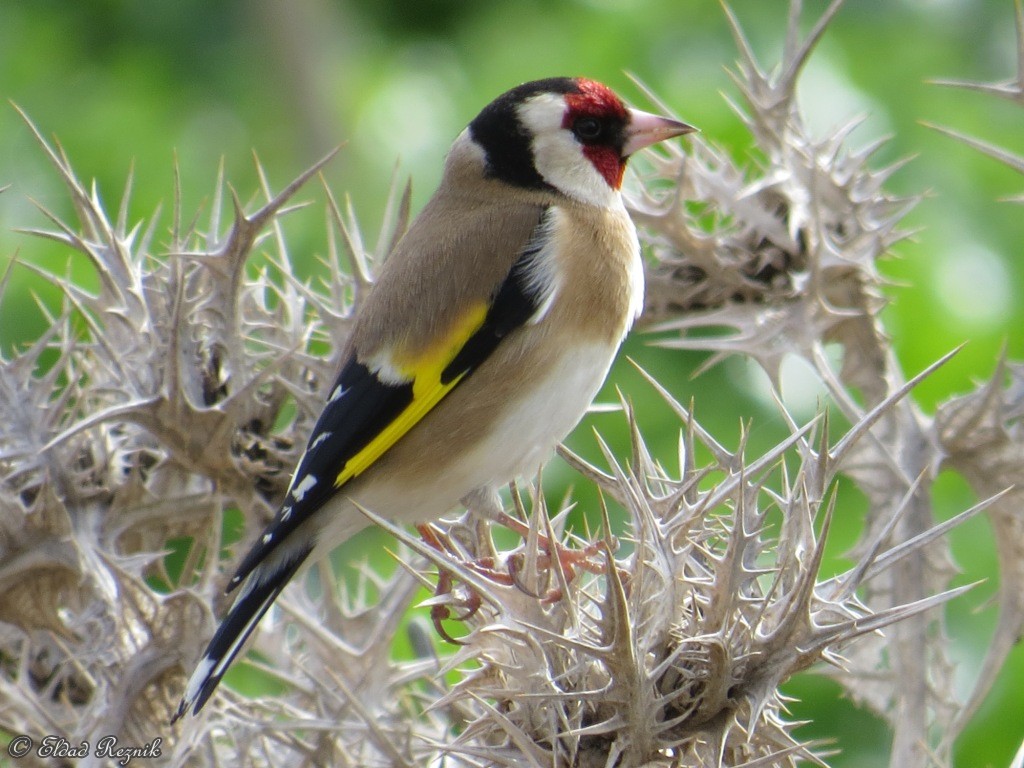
<point>511,571</point>
<point>444,595</point>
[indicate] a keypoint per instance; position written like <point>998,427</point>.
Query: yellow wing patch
<point>424,370</point>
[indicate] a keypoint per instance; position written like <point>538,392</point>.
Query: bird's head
<point>570,136</point>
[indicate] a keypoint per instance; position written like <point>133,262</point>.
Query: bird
<point>487,334</point>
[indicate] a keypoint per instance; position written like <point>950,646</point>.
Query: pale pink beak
<point>645,129</point>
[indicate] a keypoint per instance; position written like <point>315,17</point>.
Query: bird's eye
<point>587,128</point>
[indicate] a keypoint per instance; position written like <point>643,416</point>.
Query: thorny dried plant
<point>184,386</point>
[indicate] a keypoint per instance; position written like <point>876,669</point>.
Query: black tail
<point>234,630</point>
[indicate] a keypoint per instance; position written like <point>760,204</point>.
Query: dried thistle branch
<point>980,434</point>
<point>162,414</point>
<point>180,388</point>
<point>783,258</point>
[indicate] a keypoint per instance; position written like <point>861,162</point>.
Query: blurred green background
<point>122,83</point>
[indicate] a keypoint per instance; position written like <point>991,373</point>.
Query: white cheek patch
<point>558,157</point>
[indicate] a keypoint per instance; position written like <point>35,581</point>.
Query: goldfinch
<point>485,338</point>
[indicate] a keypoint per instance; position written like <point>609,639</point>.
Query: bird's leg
<point>485,504</point>
<point>443,542</point>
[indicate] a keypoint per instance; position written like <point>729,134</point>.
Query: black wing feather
<point>235,629</point>
<point>367,404</point>
<point>351,420</point>
<point>516,301</point>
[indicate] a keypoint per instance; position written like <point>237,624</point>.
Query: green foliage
<point>140,83</point>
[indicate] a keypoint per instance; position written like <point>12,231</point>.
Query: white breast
<point>533,424</point>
